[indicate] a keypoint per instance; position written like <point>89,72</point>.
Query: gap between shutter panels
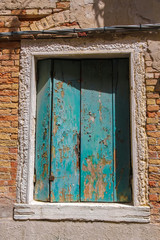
<point>51,177</point>
<point>114,62</point>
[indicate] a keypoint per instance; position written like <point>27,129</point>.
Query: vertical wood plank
<point>96,131</point>
<point>43,130</point>
<point>66,131</point>
<point>121,102</point>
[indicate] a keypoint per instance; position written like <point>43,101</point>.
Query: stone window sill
<point>106,212</point>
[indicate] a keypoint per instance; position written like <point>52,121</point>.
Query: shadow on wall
<point>119,12</point>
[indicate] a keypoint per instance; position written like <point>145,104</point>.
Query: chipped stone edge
<point>82,212</point>
<point>80,48</point>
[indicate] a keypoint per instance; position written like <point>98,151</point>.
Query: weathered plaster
<point>80,48</point>
<point>97,12</point>
<point>154,50</point>
<point>24,4</point>
<point>68,230</point>
<point>93,13</point>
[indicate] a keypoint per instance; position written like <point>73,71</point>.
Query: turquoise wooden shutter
<point>83,131</point>
<point>43,130</point>
<point>121,120</point>
<point>65,131</point>
<point>96,131</point>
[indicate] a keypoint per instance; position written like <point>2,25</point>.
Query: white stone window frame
<point>32,50</point>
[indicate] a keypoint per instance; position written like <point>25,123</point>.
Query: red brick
<point>9,69</point>
<point>153,154</point>
<point>8,156</point>
<point>11,182</point>
<point>152,148</point>
<point>14,164</point>
<point>14,123</point>
<point>4,57</point>
<point>154,176</point>
<point>157,75</point>
<point>151,114</point>
<point>156,204</point>
<point>63,5</point>
<point>5,75</point>
<point>154,169</point>
<point>8,93</point>
<point>153,197</point>
<point>14,136</point>
<point>155,211</point>
<point>152,95</point>
<point>15,57</point>
<point>9,118</point>
<point>152,183</point>
<point>19,12</point>
<point>152,120</point>
<point>151,82</point>
<point>153,108</point>
<point>12,189</point>
<point>5,99</point>
<point>10,44</point>
<point>8,63</point>
<point>154,134</point>
<point>151,127</point>
<point>152,141</point>
<point>154,190</point>
<point>158,101</point>
<point>5,124</point>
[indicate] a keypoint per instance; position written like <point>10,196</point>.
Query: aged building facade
<point>84,103</point>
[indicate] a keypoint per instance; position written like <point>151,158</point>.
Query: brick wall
<point>153,133</point>
<point>18,20</point>
<point>37,19</point>
<point>9,73</point>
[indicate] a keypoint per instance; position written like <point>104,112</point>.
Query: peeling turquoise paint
<point>65,130</point>
<point>88,138</point>
<point>96,131</point>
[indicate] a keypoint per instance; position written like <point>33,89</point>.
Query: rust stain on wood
<point>62,195</point>
<point>59,85</point>
<point>55,127</point>
<point>45,170</point>
<point>53,152</point>
<point>62,94</point>
<point>94,181</point>
<point>45,155</point>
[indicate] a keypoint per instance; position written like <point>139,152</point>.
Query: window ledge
<point>107,212</point>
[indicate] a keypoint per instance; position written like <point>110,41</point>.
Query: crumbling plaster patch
<point>97,12</point>
<point>29,49</point>
<point>154,50</point>
<point>25,4</point>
